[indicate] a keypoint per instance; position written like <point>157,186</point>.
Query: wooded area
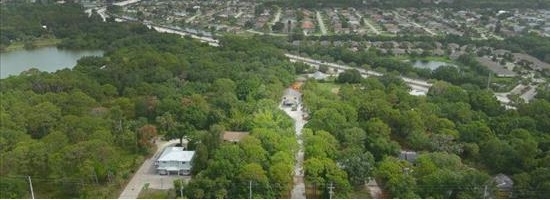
<point>462,136</point>
<point>81,132</point>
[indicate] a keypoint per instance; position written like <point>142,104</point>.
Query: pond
<point>432,65</point>
<point>49,59</point>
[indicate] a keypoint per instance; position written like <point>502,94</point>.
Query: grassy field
<point>36,43</point>
<point>148,193</point>
<point>329,87</point>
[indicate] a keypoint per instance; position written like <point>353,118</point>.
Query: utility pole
<point>250,189</point>
<point>485,191</point>
<point>182,188</point>
<point>331,190</point>
<point>31,186</point>
<point>489,79</point>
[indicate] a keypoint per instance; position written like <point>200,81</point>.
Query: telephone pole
<point>489,80</point>
<point>485,191</point>
<point>31,186</point>
<point>331,190</point>
<point>250,189</point>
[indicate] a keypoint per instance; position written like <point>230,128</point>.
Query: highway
<point>415,84</point>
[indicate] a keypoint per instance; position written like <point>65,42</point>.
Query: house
<point>495,67</point>
<point>438,52</point>
<point>233,136</point>
<point>318,75</point>
<point>533,62</point>
<point>308,25</point>
<point>409,156</point>
<point>174,160</point>
<point>504,186</point>
<point>398,51</point>
<point>453,47</point>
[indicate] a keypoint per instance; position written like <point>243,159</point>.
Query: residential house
<point>318,75</point>
<point>504,186</point>
<point>438,52</point>
<point>499,70</point>
<point>532,62</point>
<point>308,25</point>
<point>174,160</point>
<point>398,51</point>
<point>409,156</point>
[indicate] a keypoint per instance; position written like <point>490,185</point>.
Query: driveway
<point>299,189</point>
<point>147,175</point>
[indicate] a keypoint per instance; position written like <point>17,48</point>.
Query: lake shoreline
<point>38,43</point>
<point>47,59</point>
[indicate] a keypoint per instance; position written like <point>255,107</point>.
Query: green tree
<point>396,177</point>
<point>349,76</point>
<point>358,165</point>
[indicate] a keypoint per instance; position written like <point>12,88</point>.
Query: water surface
<point>49,59</point>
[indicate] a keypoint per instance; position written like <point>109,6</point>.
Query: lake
<point>49,59</point>
<point>432,65</point>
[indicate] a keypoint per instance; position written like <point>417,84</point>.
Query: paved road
<point>369,24</point>
<point>272,34</point>
<point>188,20</point>
<point>299,189</point>
<point>320,22</point>
<point>416,84</point>
<point>374,189</point>
<point>124,3</point>
<point>239,14</point>
<point>146,174</point>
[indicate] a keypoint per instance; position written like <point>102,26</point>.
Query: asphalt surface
<point>299,189</point>
<point>147,176</point>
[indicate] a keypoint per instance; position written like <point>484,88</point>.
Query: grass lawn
<point>508,83</point>
<point>329,87</point>
<point>37,43</point>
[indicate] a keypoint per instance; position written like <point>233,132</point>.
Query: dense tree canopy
<point>462,137</point>
<point>94,124</point>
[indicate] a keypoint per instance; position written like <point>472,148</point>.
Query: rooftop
<point>176,154</point>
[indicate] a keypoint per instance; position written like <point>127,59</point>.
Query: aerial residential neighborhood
<point>251,17</point>
<point>274,99</point>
